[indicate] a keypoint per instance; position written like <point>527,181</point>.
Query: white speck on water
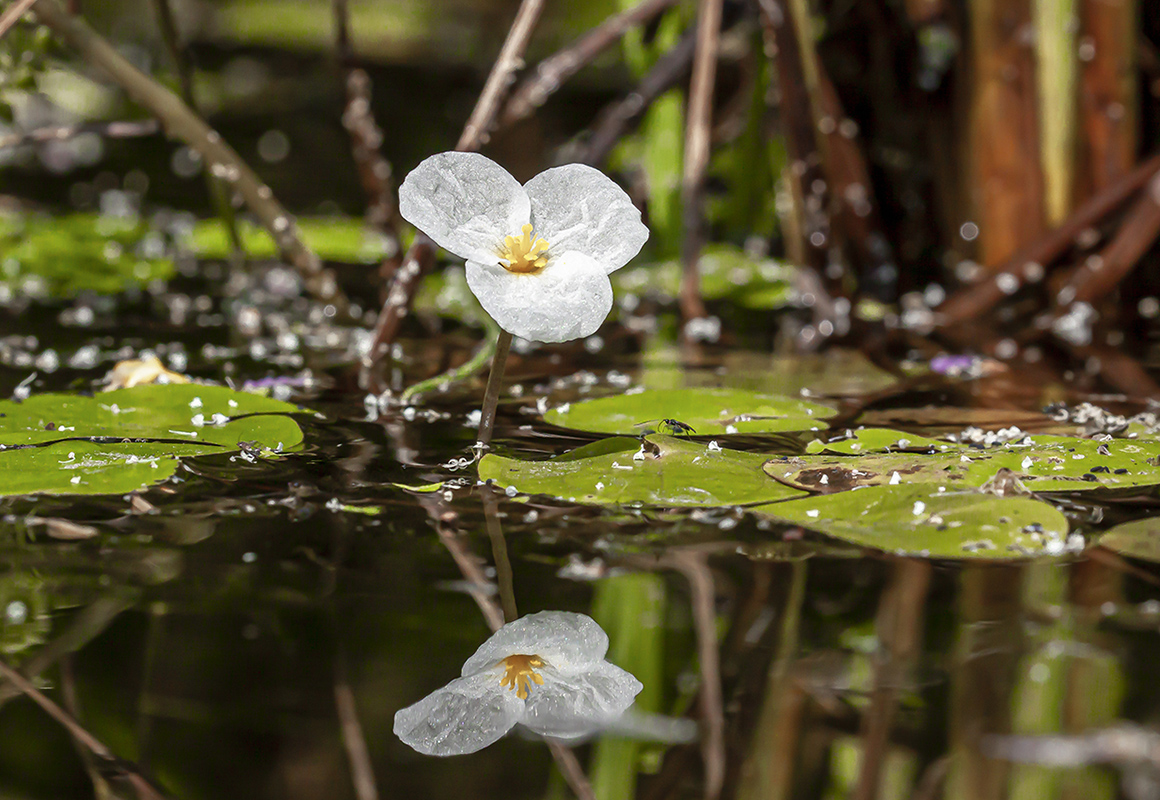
<point>249,558</point>
<point>812,513</point>
<point>919,507</point>
<point>511,491</point>
<point>639,454</point>
<point>895,478</point>
<point>1026,463</point>
<point>195,402</point>
<point>713,447</point>
<point>16,612</point>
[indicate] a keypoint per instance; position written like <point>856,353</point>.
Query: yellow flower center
<point>519,671</point>
<point>521,254</point>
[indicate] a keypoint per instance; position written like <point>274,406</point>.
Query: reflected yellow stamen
<point>520,672</point>
<point>521,254</point>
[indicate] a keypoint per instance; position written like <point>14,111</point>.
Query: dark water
<point>205,642</point>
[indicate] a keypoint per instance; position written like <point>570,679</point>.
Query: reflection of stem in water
<point>154,639</point>
<point>142,785</point>
<point>469,567</point>
<point>86,626</point>
<point>695,567</point>
<point>353,741</point>
<point>503,344</point>
<point>900,621</point>
<point>503,565</point>
<point>68,693</point>
<point>985,657</point>
<point>768,770</point>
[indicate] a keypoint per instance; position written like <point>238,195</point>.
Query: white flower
<point>545,671</point>
<point>538,255</point>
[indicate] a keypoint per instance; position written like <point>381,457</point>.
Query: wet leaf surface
<point>120,441</point>
<point>661,470</point>
<point>706,411</point>
<point>921,521</point>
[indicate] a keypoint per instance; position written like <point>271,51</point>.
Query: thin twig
<point>144,787</point>
<point>353,741</point>
<point>700,116</point>
<point>978,298</point>
<point>180,121</point>
<point>695,567</point>
<point>366,139</point>
<point>218,194</point>
<point>479,359</point>
<point>12,14</point>
<point>507,63</point>
<point>59,133</point>
<point>421,255</point>
<point>554,71</point>
<point>614,121</point>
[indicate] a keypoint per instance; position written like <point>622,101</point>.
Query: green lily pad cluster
<point>876,487</point>
<point>121,441</point>
<point>63,256</point>
<point>344,239</point>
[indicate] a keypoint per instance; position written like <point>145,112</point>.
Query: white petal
<point>565,640</point>
<point>568,706</point>
<point>576,207</point>
<point>466,715</point>
<point>465,202</point>
<point>568,299</point>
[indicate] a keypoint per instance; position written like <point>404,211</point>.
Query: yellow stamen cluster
<point>523,255</point>
<point>520,672</point>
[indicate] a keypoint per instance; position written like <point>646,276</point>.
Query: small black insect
<point>673,427</point>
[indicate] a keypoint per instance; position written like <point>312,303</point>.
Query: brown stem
<point>12,14</point>
<point>697,143</point>
<point>554,71</point>
<point>143,786</point>
<point>503,345</point>
<point>900,617</point>
<point>974,300</point>
<point>510,60</point>
<point>181,122</point>
<point>216,189</point>
<point>421,255</point>
<point>366,139</point>
<point>695,567</point>
<point>614,121</point>
<point>353,740</point>
<point>504,578</point>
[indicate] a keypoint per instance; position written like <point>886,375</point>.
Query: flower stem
<point>503,344</point>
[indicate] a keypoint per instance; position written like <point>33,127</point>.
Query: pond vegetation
<point>791,430</point>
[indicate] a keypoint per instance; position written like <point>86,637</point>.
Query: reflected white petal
<point>466,715</point>
<point>465,202</point>
<point>578,704</point>
<point>577,207</point>
<point>568,300</point>
<point>567,641</point>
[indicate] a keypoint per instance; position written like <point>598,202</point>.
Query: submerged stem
<point>503,345</point>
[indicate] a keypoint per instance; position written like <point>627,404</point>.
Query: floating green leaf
<point>1137,539</point>
<point>120,441</point>
<point>707,411</point>
<point>921,521</point>
<point>661,470</point>
<point>881,440</point>
<point>1039,463</point>
<point>346,239</point>
<point>66,255</point>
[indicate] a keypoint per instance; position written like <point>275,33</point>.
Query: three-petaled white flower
<point>538,255</point>
<point>545,671</point>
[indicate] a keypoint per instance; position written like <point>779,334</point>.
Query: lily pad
<point>1137,539</point>
<point>66,255</point>
<point>920,521</point>
<point>120,441</point>
<point>1041,464</point>
<point>880,440</point>
<point>660,470</point>
<point>707,411</point>
<point>345,239</point>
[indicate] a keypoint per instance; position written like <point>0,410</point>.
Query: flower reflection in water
<point>545,671</point>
